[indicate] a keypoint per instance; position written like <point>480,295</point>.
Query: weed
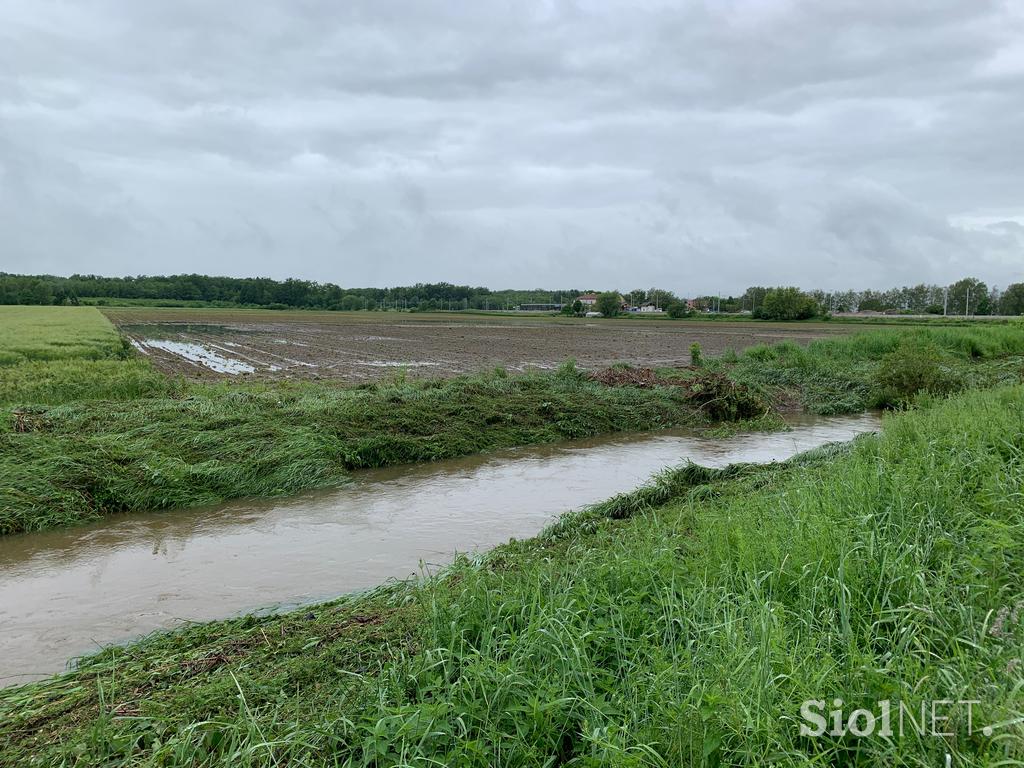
<point>696,359</point>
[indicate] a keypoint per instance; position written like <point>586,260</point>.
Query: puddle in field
<point>197,353</point>
<point>68,592</point>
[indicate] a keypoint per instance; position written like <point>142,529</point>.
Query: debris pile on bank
<point>715,394</point>
<point>626,377</point>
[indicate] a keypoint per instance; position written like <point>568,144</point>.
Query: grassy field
<point>682,624</point>
<point>52,355</point>
<point>82,438</point>
<point>56,333</point>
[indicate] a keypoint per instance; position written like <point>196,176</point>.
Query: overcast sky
<point>699,146</point>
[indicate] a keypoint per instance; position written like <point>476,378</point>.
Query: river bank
<point>65,592</point>
<point>680,623</point>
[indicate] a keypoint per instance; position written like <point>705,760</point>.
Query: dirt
<point>358,347</point>
<point>626,377</point>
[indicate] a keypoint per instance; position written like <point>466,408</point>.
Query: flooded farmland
<point>359,347</point>
<point>69,592</point>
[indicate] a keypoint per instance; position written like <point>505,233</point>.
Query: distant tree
<point>753,297</point>
<point>39,293</point>
<point>968,297</point>
<point>788,304</point>
<point>608,303</point>
<point>660,298</point>
<point>678,309</point>
<point>1012,300</point>
<point>577,308</point>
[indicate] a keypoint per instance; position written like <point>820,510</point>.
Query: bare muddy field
<point>212,343</point>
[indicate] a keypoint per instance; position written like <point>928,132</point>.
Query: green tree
<point>677,309</point>
<point>1012,300</point>
<point>608,303</point>
<point>968,297</point>
<point>788,303</point>
<point>660,298</point>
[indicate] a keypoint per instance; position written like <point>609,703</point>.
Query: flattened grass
<point>78,461</point>
<point>682,624</point>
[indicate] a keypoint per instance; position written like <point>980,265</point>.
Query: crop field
<point>55,333</point>
<point>356,347</point>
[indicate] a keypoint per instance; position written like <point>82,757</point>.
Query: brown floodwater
<point>69,592</point>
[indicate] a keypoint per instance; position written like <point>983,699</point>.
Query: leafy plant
<point>911,368</point>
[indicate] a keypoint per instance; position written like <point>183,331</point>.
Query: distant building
<point>650,308</point>
<point>587,299</point>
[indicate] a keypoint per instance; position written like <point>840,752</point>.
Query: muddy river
<point>69,592</point>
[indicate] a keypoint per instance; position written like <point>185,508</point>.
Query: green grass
<point>53,355</point>
<point>841,375</point>
<point>78,461</point>
<point>682,624</point>
<point>56,333</point>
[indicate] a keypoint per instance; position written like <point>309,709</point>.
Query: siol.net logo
<point>935,717</point>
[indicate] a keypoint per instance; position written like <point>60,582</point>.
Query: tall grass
<point>680,625</point>
<point>843,374</point>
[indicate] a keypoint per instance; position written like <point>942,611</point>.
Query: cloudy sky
<point>699,146</point>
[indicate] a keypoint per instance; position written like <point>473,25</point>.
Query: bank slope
<point>684,624</point>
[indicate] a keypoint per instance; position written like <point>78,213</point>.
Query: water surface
<point>68,592</point>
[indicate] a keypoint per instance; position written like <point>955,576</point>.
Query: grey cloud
<point>698,145</point>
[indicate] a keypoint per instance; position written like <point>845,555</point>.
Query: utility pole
<point>945,300</point>
<point>967,306</point>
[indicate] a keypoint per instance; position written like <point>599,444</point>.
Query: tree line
<point>968,296</point>
<point>264,292</point>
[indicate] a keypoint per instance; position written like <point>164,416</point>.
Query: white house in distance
<point>587,299</point>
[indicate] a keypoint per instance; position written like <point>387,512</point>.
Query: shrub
<point>913,367</point>
<point>788,304</point>
<point>608,304</point>
<point>678,309</point>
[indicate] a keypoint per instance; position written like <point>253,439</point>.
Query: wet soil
<point>358,347</point>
